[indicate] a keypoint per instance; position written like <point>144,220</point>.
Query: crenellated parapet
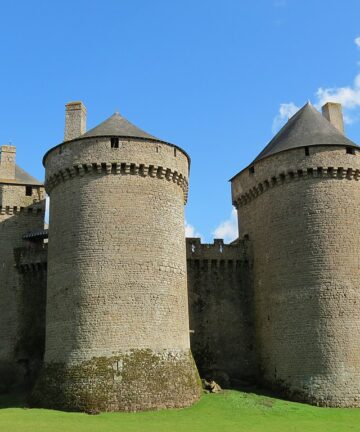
<point>33,209</point>
<point>118,168</point>
<point>220,305</point>
<point>278,179</point>
<point>217,253</point>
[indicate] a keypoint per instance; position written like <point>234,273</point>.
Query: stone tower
<point>117,329</point>
<point>21,210</point>
<point>299,205</point>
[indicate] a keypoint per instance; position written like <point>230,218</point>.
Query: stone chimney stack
<point>7,162</point>
<point>332,111</point>
<point>75,120</point>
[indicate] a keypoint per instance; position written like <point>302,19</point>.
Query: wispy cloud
<point>348,96</point>
<point>190,231</point>
<point>228,229</point>
<point>286,110</point>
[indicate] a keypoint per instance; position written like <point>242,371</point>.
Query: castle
<point>106,309</point>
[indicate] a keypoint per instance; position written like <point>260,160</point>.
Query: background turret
<point>299,203</point>
<point>22,208</point>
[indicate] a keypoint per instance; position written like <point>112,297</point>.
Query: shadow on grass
<point>253,388</point>
<point>13,400</point>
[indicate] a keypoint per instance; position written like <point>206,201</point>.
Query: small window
<point>307,151</point>
<point>28,190</point>
<point>114,142</point>
<point>174,151</point>
<point>252,169</point>
<point>350,150</point>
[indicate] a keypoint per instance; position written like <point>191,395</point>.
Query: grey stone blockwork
<point>280,305</point>
<point>19,213</point>
<point>221,315</point>
<point>117,288</point>
<point>300,213</point>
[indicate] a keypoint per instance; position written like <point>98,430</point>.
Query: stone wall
<point>31,264</point>
<point>117,289</point>
<point>18,215</point>
<point>301,214</point>
<point>221,310</point>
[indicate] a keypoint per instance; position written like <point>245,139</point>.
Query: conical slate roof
<point>22,178</point>
<point>305,128</point>
<point>117,126</point>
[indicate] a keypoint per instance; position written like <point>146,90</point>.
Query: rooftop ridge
<point>307,127</point>
<point>116,125</point>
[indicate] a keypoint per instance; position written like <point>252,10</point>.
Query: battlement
<point>219,285</point>
<point>218,253</point>
<point>118,168</point>
<point>331,173</point>
<point>33,209</point>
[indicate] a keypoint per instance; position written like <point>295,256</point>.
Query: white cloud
<point>227,230</point>
<point>286,111</point>
<point>47,208</point>
<point>190,231</point>
<point>357,41</point>
<point>348,96</point>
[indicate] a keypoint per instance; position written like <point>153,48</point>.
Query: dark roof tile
<point>305,128</point>
<point>117,126</point>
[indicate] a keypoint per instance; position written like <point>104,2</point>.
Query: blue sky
<point>217,78</point>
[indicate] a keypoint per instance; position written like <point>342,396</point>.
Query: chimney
<point>7,162</point>
<point>332,111</point>
<point>75,120</point>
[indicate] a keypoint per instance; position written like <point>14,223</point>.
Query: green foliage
<point>228,411</point>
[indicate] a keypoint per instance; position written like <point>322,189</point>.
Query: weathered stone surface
<point>117,265</point>
<point>220,304</point>
<point>301,214</point>
<point>19,213</point>
<point>129,381</point>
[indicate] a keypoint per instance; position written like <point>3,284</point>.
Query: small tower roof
<point>116,125</point>
<point>22,178</point>
<point>305,128</point>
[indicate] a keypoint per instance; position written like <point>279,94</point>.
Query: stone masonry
<point>126,297</point>
<point>117,327</point>
<point>21,210</point>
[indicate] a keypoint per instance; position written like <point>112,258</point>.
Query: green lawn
<point>227,411</point>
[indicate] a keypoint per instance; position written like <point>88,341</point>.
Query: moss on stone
<point>136,380</point>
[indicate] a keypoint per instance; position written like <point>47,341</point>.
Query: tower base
<point>137,380</point>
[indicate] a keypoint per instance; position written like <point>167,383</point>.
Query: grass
<point>223,412</point>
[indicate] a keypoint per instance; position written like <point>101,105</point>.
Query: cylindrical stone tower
<point>299,204</point>
<point>117,330</point>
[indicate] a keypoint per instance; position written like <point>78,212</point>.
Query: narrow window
<point>28,190</point>
<point>174,151</point>
<point>114,142</point>
<point>350,150</point>
<point>252,169</point>
<point>307,151</point>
